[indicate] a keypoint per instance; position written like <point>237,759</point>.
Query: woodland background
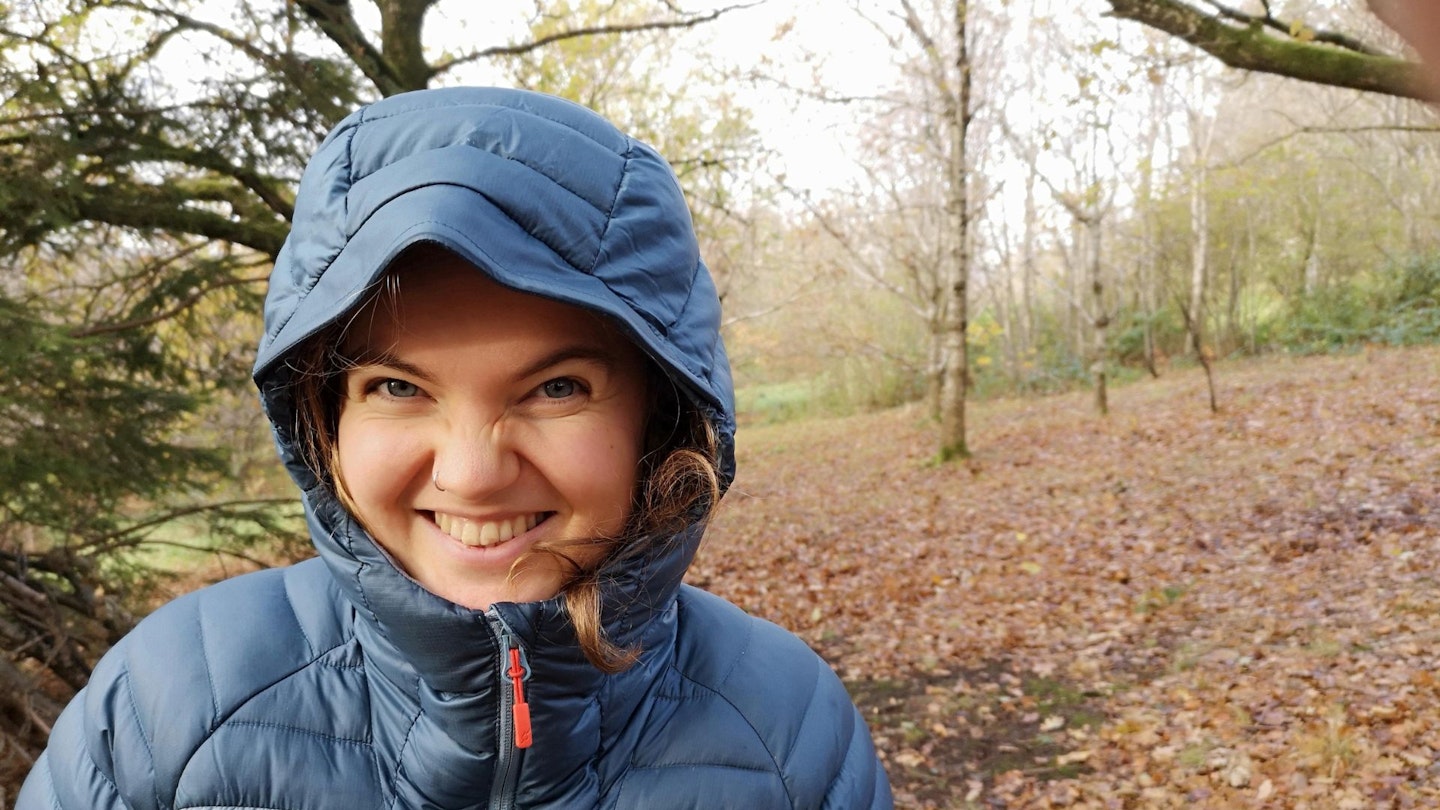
<point>1177,549</point>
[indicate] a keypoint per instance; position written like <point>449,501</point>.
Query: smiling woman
<point>491,440</point>
<point>489,424</point>
<point>493,366</point>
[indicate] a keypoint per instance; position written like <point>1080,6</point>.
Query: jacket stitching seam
<point>702,764</point>
<point>702,367</point>
<point>735,662</point>
<point>533,168</point>
<point>209,677</point>
<point>536,169</point>
<point>109,781</point>
<point>628,155</point>
<point>296,729</point>
<point>349,540</point>
<point>778,770</point>
<point>308,282</point>
<point>460,236</point>
<point>526,164</point>
<point>295,614</point>
<point>313,661</point>
<point>809,708</point>
<point>367,118</point>
<point>400,760</point>
<point>399,113</point>
<point>689,296</point>
<point>149,752</point>
<point>840,771</point>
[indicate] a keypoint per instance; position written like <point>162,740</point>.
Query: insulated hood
<point>542,195</point>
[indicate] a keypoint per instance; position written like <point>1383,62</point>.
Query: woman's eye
<point>399,389</point>
<point>559,388</point>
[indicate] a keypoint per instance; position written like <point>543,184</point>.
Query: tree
<point>149,185</point>
<point>1286,47</point>
<point>100,140</point>
<point>909,230</point>
<point>950,79</point>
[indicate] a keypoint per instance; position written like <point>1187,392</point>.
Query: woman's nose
<point>474,462</point>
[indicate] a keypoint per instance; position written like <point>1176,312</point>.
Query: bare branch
<point>335,19</point>
<point>183,21</point>
<point>227,552</point>
<point>181,306</point>
<point>176,514</point>
<point>1303,129</point>
<point>588,31</point>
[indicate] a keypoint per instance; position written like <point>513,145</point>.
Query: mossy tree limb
<point>1268,45</point>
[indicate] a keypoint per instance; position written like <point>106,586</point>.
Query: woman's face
<point>481,421</point>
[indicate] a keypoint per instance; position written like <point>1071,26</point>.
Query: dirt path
<point>1163,608</point>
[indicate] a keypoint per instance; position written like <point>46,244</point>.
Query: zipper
<point>514,718</point>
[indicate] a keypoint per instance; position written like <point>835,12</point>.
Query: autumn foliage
<point>1162,608</point>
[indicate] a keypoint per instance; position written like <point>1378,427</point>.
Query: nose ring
<point>435,479</point>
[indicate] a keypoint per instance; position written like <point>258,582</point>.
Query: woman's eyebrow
<point>592,354</point>
<point>389,360</point>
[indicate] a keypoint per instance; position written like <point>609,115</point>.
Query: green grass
<point>776,402</point>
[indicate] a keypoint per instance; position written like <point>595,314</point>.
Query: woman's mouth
<point>487,533</point>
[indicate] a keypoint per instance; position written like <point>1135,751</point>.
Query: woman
<point>493,366</point>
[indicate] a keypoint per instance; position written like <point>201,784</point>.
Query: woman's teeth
<point>484,533</point>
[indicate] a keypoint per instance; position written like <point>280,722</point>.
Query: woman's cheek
<point>377,457</point>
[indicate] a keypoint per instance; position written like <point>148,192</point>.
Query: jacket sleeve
<point>157,695</point>
<point>860,782</point>
<point>91,788</point>
<point>123,739</point>
<point>78,768</point>
<point>816,740</point>
<point>833,743</point>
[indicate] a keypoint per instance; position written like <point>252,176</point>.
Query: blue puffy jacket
<point>341,683</point>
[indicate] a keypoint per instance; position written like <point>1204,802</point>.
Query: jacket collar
<point>449,662</point>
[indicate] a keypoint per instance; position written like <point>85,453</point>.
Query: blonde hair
<point>678,481</point>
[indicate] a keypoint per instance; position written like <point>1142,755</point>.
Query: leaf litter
<point>1159,608</point>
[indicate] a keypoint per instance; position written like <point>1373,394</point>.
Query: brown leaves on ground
<point>1162,608</point>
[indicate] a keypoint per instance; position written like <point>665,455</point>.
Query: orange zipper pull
<point>520,710</point>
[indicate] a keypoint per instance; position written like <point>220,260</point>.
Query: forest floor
<point>1158,608</point>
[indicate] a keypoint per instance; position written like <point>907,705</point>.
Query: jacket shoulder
<point>160,692</point>
<point>742,676</point>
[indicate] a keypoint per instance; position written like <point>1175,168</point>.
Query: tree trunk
<point>1310,284</point>
<point>1079,321</point>
<point>1146,266</point>
<point>1232,335</point>
<point>954,388</point>
<point>1199,250</point>
<point>1102,317</point>
<point>1200,231</point>
<point>934,396</point>
<point>1030,269</point>
<point>1010,323</point>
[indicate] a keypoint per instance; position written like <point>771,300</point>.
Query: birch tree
<point>950,78</point>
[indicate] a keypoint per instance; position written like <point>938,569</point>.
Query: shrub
<point>1400,308</point>
<point>1331,319</point>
